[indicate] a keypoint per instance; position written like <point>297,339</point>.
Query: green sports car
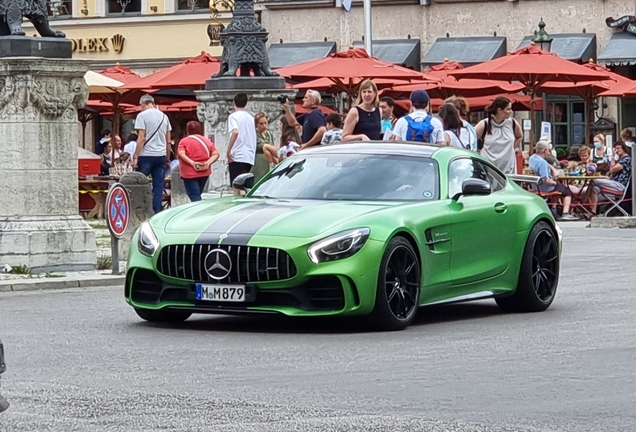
<point>374,230</point>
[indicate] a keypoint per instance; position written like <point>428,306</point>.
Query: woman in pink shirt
<point>196,156</point>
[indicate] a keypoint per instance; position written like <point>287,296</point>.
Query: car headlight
<point>338,246</point>
<point>148,243</point>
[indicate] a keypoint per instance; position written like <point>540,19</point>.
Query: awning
<point>287,54</point>
<point>405,52</point>
<point>579,47</point>
<point>466,50</point>
<point>620,50</point>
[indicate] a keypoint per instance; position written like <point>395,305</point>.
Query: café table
<point>96,188</point>
<point>584,183</point>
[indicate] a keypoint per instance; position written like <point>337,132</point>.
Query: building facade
<point>472,31</point>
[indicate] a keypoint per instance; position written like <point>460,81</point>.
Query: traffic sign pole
<point>117,219</point>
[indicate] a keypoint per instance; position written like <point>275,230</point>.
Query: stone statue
<point>12,12</point>
<point>244,44</point>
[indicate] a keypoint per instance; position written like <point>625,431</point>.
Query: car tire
<point>539,273</point>
<point>165,316</point>
<point>398,287</point>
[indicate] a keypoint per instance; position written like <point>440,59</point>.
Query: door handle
<point>501,208</point>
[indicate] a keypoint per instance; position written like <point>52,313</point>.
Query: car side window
<point>496,180</point>
<point>458,171</point>
<point>461,169</point>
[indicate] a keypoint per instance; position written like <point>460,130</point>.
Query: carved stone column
<point>215,106</point>
<point>39,222</point>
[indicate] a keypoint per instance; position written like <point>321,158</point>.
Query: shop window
<point>567,116</point>
<point>192,6</point>
<point>59,8</point>
<point>124,6</point>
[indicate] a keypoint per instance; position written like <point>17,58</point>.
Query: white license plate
<point>220,293</point>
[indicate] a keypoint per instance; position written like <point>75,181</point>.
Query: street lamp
<point>541,38</point>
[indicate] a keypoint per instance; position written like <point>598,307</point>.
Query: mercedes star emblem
<point>218,264</point>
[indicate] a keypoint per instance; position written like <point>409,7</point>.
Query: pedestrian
<point>313,123</point>
<point>599,155</point>
<point>419,125</point>
<point>500,136</point>
<point>387,105</point>
<point>334,129</point>
<point>241,149</point>
<point>364,121</point>
<point>263,161</point>
<point>131,144</point>
<point>453,125</point>
<point>196,156</point>
<point>101,142</point>
<point>628,137</point>
<point>289,138</point>
<point>152,150</point>
<point>542,168</point>
<point>468,133</point>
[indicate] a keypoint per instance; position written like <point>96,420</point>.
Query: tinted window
<point>461,169</point>
<point>352,177</point>
<point>496,180</point>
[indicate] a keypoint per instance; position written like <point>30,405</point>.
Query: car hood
<point>237,220</point>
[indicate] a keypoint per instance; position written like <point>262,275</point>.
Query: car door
<point>483,227</point>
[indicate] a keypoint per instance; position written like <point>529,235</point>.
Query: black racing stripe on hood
<point>237,228</point>
<point>225,222</point>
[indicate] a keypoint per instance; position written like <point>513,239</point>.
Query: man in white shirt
<point>241,149</point>
<point>151,153</point>
<point>420,126</point>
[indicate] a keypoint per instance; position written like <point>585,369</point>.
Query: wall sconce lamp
<point>84,9</point>
<point>216,27</point>
<point>153,8</point>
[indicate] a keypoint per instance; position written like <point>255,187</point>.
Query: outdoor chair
<point>617,200</point>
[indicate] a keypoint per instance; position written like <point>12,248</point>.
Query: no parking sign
<point>118,210</point>
<point>117,219</point>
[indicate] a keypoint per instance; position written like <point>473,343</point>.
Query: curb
<point>613,222</point>
<point>61,283</point>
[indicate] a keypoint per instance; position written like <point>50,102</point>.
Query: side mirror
<point>473,186</point>
<point>244,182</point>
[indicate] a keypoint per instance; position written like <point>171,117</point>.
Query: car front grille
<point>249,264</point>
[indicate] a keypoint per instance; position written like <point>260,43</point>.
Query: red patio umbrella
<point>520,102</point>
<point>300,109</point>
<point>346,69</point>
<point>533,68</point>
<point>190,74</point>
<point>589,90</point>
<point>122,95</point>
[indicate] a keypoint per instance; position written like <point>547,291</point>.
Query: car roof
<point>403,148</point>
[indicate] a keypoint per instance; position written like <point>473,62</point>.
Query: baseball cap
<point>419,97</point>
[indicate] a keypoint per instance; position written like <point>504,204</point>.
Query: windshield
<point>364,177</point>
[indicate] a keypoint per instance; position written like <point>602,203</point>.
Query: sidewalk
<point>103,277</point>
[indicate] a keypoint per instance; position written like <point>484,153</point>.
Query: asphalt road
<point>82,361</point>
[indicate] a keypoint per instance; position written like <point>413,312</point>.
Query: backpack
<point>420,131</point>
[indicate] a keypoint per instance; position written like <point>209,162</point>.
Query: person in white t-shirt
<point>420,104</point>
<point>131,144</point>
<point>151,152</point>
<point>241,149</point>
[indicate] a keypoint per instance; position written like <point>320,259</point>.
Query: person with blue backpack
<point>419,125</point>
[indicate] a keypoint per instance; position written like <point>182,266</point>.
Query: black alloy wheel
<point>398,288</point>
<point>539,273</point>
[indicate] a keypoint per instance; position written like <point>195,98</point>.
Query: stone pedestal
<point>39,222</point>
<point>215,106</point>
<point>140,196</point>
<point>178,195</point>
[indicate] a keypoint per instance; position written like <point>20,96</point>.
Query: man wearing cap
<point>542,168</point>
<point>152,152</point>
<point>420,106</point>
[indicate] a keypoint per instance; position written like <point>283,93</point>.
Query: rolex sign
<point>99,44</point>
